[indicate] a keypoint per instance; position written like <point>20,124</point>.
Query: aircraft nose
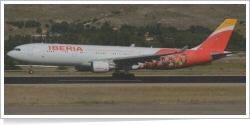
<point>10,54</point>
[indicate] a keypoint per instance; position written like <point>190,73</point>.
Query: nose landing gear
<point>31,71</point>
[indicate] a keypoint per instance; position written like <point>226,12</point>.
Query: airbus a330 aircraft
<point>106,58</point>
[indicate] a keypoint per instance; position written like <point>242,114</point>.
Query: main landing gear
<point>123,75</point>
<point>31,71</point>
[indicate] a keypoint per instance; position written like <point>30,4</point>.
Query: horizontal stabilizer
<point>223,55</point>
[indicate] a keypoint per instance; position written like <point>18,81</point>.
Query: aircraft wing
<point>143,58</point>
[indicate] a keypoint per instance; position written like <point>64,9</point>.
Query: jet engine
<point>101,66</point>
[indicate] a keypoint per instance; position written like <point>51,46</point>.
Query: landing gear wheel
<point>31,71</point>
<point>115,75</point>
<point>131,76</point>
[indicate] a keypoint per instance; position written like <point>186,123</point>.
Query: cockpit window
<point>17,49</point>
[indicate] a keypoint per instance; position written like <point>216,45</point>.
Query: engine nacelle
<point>101,66</point>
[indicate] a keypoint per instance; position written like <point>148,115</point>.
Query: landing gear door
<point>30,50</point>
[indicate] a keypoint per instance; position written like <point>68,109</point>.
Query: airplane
<point>99,59</point>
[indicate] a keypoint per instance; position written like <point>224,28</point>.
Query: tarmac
<point>138,79</point>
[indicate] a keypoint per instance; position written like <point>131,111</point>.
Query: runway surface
<point>138,79</point>
<point>127,110</point>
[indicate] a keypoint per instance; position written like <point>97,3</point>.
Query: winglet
<point>183,49</point>
<point>132,45</point>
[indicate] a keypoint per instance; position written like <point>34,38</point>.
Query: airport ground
<point>118,98</point>
<point>145,94</point>
<point>126,99</point>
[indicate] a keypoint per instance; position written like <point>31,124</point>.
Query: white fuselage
<point>71,54</point>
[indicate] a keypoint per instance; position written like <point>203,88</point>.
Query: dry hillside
<point>180,16</point>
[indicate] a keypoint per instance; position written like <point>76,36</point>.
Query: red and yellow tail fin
<point>218,40</point>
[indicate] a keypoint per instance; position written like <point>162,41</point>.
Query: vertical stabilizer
<point>218,40</point>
